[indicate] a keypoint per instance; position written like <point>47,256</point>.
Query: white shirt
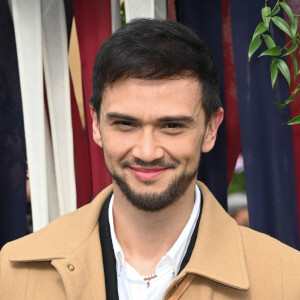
<point>131,285</point>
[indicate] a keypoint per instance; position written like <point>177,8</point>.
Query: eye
<point>124,125</point>
<point>173,128</point>
<point>173,125</point>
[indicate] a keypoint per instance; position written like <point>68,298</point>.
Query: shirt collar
<point>176,254</point>
<point>117,247</point>
<point>178,250</point>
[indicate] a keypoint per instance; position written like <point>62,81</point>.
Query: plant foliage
<point>277,64</point>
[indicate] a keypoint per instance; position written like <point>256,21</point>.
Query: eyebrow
<point>176,118</point>
<point>116,115</point>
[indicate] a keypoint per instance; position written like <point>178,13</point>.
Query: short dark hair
<point>156,49</point>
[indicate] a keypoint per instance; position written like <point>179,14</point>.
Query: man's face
<point>152,133</point>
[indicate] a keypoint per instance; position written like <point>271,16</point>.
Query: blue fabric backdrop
<point>204,18</point>
<point>267,144</point>
<point>12,141</point>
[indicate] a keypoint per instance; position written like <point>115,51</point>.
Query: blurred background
<point>49,164</point>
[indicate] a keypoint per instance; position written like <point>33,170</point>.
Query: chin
<point>153,197</point>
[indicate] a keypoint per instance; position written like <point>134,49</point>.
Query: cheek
<point>185,148</point>
<point>115,146</point>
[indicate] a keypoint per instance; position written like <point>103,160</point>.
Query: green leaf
<point>284,70</point>
<point>260,28</point>
<point>294,121</point>
<point>283,25</point>
<point>295,65</point>
<point>275,51</point>
<point>295,91</point>
<point>291,50</point>
<point>275,10</point>
<point>289,99</point>
<point>294,26</point>
<point>287,9</point>
<point>274,71</point>
<point>269,41</point>
<point>265,13</point>
<point>280,105</point>
<point>254,45</point>
<point>286,101</point>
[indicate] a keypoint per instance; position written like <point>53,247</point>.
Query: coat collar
<point>218,253</point>
<point>63,236</point>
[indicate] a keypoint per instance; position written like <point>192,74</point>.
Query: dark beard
<point>155,201</point>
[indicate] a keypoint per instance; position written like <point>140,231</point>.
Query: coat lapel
<point>71,240</point>
<point>86,281</point>
<point>218,253</point>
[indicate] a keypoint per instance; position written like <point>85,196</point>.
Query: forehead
<point>148,97</point>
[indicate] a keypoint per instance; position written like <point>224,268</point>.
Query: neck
<point>146,237</point>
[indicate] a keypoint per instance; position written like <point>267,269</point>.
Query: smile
<point>147,174</point>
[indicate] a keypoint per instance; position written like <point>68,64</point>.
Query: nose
<point>147,147</point>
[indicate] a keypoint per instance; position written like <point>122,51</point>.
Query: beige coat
<point>63,261</point>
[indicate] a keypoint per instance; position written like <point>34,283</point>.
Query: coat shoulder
<point>267,243</point>
<point>61,236</point>
<point>269,258</point>
<point>56,230</point>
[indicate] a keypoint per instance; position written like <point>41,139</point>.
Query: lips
<point>147,174</point>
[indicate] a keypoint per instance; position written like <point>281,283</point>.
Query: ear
<point>211,130</point>
<point>96,130</point>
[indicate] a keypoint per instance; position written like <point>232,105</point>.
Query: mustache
<point>136,162</point>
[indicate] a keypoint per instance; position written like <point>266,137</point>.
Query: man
<point>155,233</point>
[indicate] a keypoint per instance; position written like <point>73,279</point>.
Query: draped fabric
<point>139,9</point>
<point>253,123</point>
<point>81,154</point>
<point>145,9</point>
<point>12,141</point>
<point>205,19</point>
<point>92,32</point>
<point>38,143</point>
<point>56,70</point>
<point>41,38</point>
<point>171,10</point>
<point>295,111</point>
<point>233,139</point>
<point>69,16</point>
<point>266,142</point>
<point>160,9</point>
<point>115,15</point>
<point>81,157</point>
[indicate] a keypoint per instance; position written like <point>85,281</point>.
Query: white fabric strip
<point>32,49</point>
<point>115,15</point>
<point>56,69</point>
<point>161,9</point>
<point>52,202</point>
<point>145,9</point>
<point>139,9</point>
<point>28,33</point>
